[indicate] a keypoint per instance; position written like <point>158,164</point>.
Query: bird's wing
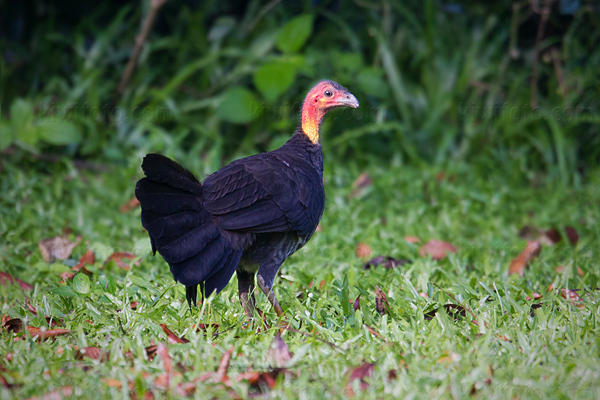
<point>265,193</point>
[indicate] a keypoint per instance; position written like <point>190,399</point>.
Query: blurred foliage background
<point>508,85</point>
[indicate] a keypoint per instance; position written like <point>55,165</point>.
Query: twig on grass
<point>140,40</point>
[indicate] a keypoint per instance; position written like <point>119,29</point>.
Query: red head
<point>323,97</point>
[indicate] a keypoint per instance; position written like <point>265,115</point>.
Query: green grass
<point>511,352</point>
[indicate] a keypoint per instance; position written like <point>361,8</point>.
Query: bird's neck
<point>312,117</point>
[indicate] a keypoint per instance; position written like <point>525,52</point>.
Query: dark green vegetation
<point>437,83</point>
<point>219,80</point>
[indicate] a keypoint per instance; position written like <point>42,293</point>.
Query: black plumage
<point>247,217</point>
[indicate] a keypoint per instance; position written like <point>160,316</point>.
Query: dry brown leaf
<point>572,235</point>
<point>412,239</point>
<point>64,392</point>
<point>6,279</point>
<point>279,353</point>
<point>360,373</point>
<point>14,325</point>
<point>535,295</point>
<point>221,375</point>
<point>360,184</point>
<point>374,332</point>
<point>47,334</point>
<point>357,304</point>
<point>57,247</point>
<point>572,297</point>
<point>163,353</point>
<point>531,251</point>
<point>115,383</point>
<point>119,257</point>
<point>173,338</point>
<point>381,301</point>
<point>134,305</point>
<point>67,276</point>
<point>386,261</point>
<point>363,250</point>
<point>258,379</point>
<point>88,258</point>
<point>550,237</point>
<point>95,353</point>
<point>560,269</point>
<point>580,271</point>
<point>437,249</point>
<point>130,205</point>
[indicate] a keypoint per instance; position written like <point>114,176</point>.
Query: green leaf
<point>295,33</point>
<point>274,78</point>
<point>21,113</point>
<point>371,82</point>
<point>59,132</point>
<point>64,291</point>
<point>81,283</point>
<point>6,135</point>
<point>239,105</point>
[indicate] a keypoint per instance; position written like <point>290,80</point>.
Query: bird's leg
<point>268,291</point>
<point>246,290</point>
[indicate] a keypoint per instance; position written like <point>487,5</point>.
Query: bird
<point>247,217</point>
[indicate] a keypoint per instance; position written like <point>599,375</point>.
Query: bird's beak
<point>348,100</point>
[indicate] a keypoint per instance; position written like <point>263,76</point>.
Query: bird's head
<point>324,96</point>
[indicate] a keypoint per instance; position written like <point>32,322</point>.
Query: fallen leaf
<point>151,351</point>
<point>360,184</point>
<point>118,258</point>
<point>221,375</point>
<point>560,269</point>
<point>529,232</point>
<point>580,271</point>
<point>363,250</point>
<point>95,353</point>
<point>64,392</point>
<point>437,249</point>
<point>67,276</point>
<point>163,353</point>
<point>374,332</point>
<point>49,320</point>
<point>572,297</point>
<point>412,239</point>
<point>38,333</point>
<point>57,247</point>
<point>134,305</point>
<point>381,301</point>
<point>14,325</point>
<point>114,383</point>
<point>357,304</point>
<point>88,258</point>
<point>448,357</point>
<point>5,279</point>
<point>423,294</point>
<point>572,235</point>
<point>258,379</point>
<point>279,352</point>
<point>550,237</point>
<point>130,205</point>
<point>204,327</point>
<point>535,295</point>
<point>386,261</point>
<point>173,338</point>
<point>518,265</point>
<point>360,373</point>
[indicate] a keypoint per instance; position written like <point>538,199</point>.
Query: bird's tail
<point>181,229</point>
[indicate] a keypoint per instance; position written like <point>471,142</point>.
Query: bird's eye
<point>328,93</point>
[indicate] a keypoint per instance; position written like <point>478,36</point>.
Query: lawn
<point>456,327</point>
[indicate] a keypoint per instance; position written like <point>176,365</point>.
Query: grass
<point>512,351</point>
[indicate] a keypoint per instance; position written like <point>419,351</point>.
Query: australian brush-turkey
<point>247,217</point>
